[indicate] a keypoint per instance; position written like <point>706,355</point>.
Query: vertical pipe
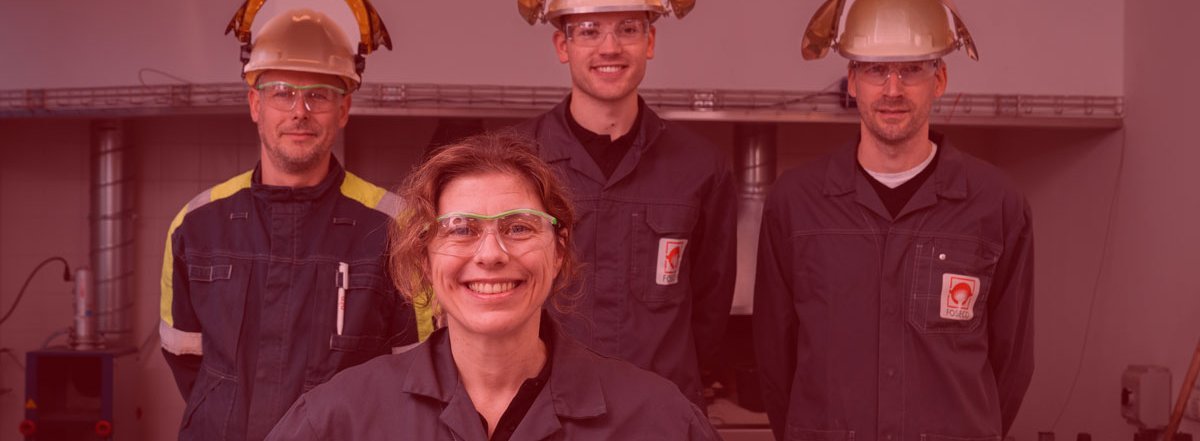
<point>112,232</point>
<point>755,153</point>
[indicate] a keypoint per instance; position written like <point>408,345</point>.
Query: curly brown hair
<point>495,152</point>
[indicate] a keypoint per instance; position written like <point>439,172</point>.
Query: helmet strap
<point>360,59</point>
<point>245,57</point>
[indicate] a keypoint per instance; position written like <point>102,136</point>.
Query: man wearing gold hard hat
<point>277,278</point>
<point>894,293</point>
<point>658,206</point>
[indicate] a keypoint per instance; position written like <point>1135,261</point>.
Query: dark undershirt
<point>605,151</point>
<point>894,199</point>
<point>521,403</point>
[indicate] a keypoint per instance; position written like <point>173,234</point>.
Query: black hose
<point>66,278</point>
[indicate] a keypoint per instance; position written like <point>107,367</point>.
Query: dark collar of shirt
<point>607,152</point>
<point>273,193</point>
<point>528,392</point>
<point>894,199</point>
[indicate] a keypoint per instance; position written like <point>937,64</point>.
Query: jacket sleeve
<point>1010,327</point>
<point>179,328</point>
<point>714,265</point>
<point>775,321</point>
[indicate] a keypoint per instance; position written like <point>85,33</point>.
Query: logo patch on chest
<point>670,258</point>
<point>958,296</point>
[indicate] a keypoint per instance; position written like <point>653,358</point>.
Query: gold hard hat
<point>888,30</point>
<point>304,40</point>
<point>534,10</point>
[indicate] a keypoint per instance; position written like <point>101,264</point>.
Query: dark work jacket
<point>855,334</point>
<point>672,185</point>
<point>417,395</point>
<point>250,297</point>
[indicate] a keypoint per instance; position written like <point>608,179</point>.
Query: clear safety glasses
<point>909,74</point>
<point>317,97</point>
<point>591,34</point>
<point>517,231</point>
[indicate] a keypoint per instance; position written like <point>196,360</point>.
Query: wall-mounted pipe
<point>756,157</point>
<point>112,217</point>
<point>755,164</point>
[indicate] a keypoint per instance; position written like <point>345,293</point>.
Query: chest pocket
<point>366,322</point>
<point>951,282</point>
<point>658,271</point>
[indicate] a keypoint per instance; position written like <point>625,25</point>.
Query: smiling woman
<point>486,237</point>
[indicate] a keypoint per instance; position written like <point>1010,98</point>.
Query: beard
<point>897,133</point>
<point>299,158</point>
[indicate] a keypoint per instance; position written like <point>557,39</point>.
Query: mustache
<point>898,103</point>
<point>300,126</point>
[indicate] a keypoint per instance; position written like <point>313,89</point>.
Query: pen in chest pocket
<point>343,283</point>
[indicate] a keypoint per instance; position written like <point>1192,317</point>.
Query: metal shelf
<point>434,100</point>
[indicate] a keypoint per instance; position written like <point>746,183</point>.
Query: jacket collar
<point>332,180</point>
<point>949,182</point>
<point>558,143</point>
<point>573,392</point>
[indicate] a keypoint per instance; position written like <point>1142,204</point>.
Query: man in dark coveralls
<point>657,203</point>
<point>276,279</point>
<point>894,292</point>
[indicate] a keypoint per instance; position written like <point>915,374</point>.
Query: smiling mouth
<point>608,69</point>
<point>492,288</point>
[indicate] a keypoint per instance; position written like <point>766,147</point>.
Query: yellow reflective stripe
<point>228,188</point>
<point>220,191</point>
<point>364,192</point>
<point>168,273</point>
<point>424,314</point>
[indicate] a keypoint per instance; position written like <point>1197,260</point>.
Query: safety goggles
<point>317,97</point>
<point>909,73</point>
<point>591,34</point>
<point>517,231</point>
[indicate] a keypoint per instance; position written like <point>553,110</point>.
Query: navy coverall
<point>418,395</point>
<point>250,297</point>
<point>913,328</point>
<point>670,207</point>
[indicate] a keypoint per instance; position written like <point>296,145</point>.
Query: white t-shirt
<point>893,180</point>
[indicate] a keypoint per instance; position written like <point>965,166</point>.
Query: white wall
<point>1027,46</point>
<point>1148,295</point>
<point>1102,308</point>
